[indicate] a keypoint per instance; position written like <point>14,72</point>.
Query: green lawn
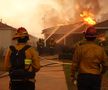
<point>67,71</point>
<point>67,76</point>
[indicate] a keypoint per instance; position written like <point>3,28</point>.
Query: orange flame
<point>88,17</point>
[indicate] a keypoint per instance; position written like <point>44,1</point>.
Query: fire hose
<point>5,74</point>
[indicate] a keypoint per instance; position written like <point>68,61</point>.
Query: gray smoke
<point>68,11</point>
<point>92,5</point>
<point>60,12</point>
<point>98,7</point>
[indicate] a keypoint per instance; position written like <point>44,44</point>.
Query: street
<point>50,77</point>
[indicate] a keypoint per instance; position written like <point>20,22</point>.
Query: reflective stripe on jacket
<point>30,53</point>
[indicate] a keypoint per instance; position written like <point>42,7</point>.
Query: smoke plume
<point>59,12</point>
<point>97,7</point>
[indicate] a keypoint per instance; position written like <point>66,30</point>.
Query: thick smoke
<point>59,12</point>
<point>91,5</point>
<point>103,15</point>
<point>97,7</point>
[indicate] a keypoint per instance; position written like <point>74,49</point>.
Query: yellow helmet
<point>21,32</point>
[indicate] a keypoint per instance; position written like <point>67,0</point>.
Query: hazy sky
<point>34,15</point>
<point>22,13</point>
<point>30,13</point>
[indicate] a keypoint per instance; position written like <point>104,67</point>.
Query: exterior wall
<point>6,38</point>
<point>56,37</point>
<point>13,42</point>
<point>73,38</point>
<point>69,40</point>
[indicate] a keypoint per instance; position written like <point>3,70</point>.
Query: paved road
<point>49,78</point>
<point>4,83</point>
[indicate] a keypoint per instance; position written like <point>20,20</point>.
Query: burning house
<point>71,33</point>
<point>65,35</point>
<point>86,13</point>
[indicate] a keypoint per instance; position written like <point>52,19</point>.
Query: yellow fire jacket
<point>89,58</point>
<point>30,53</point>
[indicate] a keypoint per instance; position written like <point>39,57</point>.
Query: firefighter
<point>40,46</point>
<point>32,58</point>
<point>88,61</point>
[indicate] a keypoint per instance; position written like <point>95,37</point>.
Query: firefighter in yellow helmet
<point>31,62</point>
<point>88,60</point>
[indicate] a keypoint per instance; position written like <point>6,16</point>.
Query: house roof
<point>61,29</point>
<point>66,28</point>
<point>102,25</point>
<point>6,27</point>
